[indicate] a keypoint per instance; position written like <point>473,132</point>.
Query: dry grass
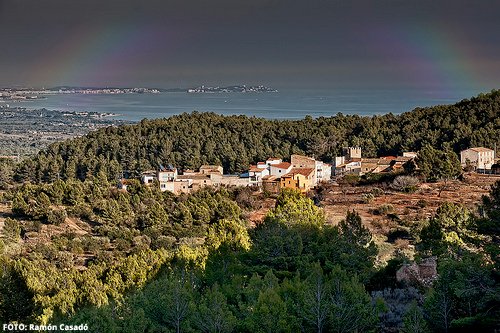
<point>409,209</point>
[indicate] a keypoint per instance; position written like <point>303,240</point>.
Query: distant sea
<point>285,104</point>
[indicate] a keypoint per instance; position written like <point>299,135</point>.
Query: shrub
<point>406,184</point>
<point>83,211</point>
<point>75,246</point>
<point>350,180</point>
<point>11,230</point>
<point>56,216</point>
<point>166,242</point>
<point>244,197</point>
<point>367,198</point>
<point>123,244</point>
<point>383,209</point>
<point>31,226</point>
<point>377,192</point>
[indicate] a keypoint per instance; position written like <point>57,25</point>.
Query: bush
<point>367,198</point>
<point>383,209</point>
<point>244,197</point>
<point>11,230</point>
<point>56,216</point>
<point>406,184</point>
<point>31,226</point>
<point>83,211</point>
<point>75,246</point>
<point>123,244</point>
<point>376,178</point>
<point>397,301</point>
<point>94,244</point>
<point>166,242</point>
<point>350,180</point>
<point>377,192</point>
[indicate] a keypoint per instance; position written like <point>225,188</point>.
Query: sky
<point>447,44</point>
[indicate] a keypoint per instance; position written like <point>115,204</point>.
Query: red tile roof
<point>282,165</point>
<point>301,171</point>
<point>254,168</point>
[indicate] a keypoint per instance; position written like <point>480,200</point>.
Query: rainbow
<point>432,57</point>
<point>91,53</point>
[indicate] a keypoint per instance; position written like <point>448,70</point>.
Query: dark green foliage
<point>56,216</point>
<point>451,229</point>
<point>438,164</point>
<point>489,224</point>
<point>98,320</point>
<point>466,295</point>
<point>208,271</point>
<point>189,140</point>
<point>293,239</point>
<point>16,302</point>
<point>11,230</point>
<point>385,277</point>
<point>351,309</point>
<point>414,321</point>
<point>214,314</point>
<point>291,273</point>
<point>7,167</point>
<point>270,314</point>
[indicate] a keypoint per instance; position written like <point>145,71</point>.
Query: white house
<point>411,154</point>
<point>256,173</point>
<point>280,169</point>
<point>167,175</point>
<point>273,161</point>
<point>148,177</point>
<point>352,167</point>
<point>323,172</point>
<point>478,157</point>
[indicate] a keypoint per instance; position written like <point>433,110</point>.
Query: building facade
<point>478,157</point>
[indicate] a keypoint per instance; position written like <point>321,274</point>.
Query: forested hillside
<point>190,140</point>
<point>74,249</point>
<point>195,266</point>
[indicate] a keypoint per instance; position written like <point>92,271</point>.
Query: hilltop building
<point>352,163</point>
<point>479,158</point>
<point>302,173</point>
<point>301,179</point>
<point>280,169</point>
<point>148,177</point>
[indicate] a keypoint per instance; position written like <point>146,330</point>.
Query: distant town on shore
<point>33,93</point>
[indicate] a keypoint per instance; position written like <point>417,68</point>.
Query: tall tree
<point>214,314</point>
<point>316,300</point>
